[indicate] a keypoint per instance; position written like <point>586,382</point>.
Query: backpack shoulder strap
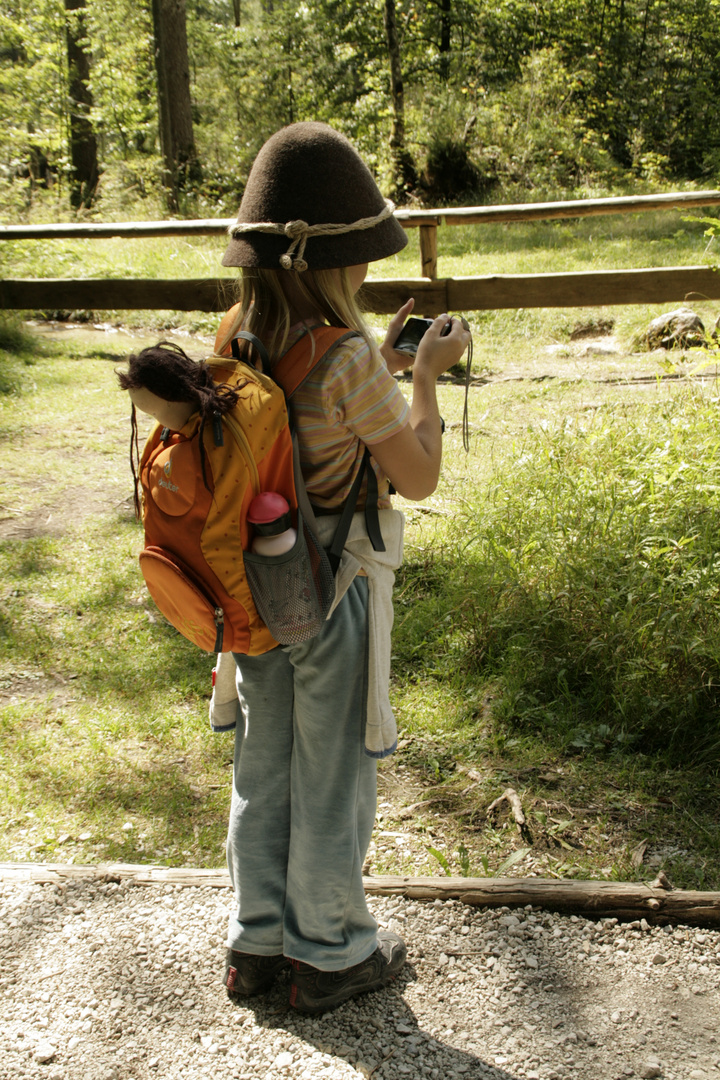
<point>291,371</point>
<point>294,366</point>
<point>223,329</point>
<point>257,345</point>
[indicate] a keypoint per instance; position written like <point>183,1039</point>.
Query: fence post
<point>428,251</point>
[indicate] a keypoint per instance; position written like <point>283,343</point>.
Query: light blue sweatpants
<point>304,795</point>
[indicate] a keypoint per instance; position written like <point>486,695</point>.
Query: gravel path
<point>106,981</point>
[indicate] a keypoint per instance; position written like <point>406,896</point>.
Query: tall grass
<point>586,578</point>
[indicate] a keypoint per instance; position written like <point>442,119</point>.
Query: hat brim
<point>321,252</point>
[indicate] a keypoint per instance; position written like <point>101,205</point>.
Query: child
<point>314,717</point>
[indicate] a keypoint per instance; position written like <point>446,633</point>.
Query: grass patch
<point>104,744</point>
<point>556,618</point>
<point>105,709</point>
<point>589,579</point>
<point>556,629</point>
<point>18,350</point>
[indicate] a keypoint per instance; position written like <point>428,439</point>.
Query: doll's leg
<point>333,794</point>
<point>259,829</point>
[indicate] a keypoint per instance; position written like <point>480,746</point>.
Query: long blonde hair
<point>264,309</point>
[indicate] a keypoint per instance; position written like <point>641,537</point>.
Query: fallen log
<point>627,901</point>
<point>656,902</point>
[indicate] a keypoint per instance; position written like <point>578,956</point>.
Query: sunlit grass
<point>556,614</point>
<point>585,573</point>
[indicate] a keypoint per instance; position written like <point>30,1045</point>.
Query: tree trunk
<point>236,11</point>
<point>643,42</point>
<point>404,175</point>
<point>445,30</point>
<point>83,144</point>
<point>177,144</point>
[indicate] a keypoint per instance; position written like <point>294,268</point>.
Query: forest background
<point>112,105</point>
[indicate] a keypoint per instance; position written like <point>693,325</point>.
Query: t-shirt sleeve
<point>363,395</point>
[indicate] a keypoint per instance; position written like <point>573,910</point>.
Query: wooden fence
<point>432,294</point>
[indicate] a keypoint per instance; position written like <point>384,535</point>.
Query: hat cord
<point>299,232</point>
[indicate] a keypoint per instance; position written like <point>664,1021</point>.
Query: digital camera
<point>411,333</point>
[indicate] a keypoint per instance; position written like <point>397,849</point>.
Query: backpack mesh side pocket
<point>293,592</point>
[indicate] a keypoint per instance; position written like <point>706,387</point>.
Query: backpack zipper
<point>219,629</point>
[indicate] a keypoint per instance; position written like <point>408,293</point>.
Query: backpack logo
<point>172,478</point>
<point>167,469</point>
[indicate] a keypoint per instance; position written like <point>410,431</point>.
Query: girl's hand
<point>437,353</point>
<point>411,458</point>
<point>397,361</point>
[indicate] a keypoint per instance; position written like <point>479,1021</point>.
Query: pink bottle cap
<point>267,506</point>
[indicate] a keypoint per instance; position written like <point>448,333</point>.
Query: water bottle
<point>269,514</point>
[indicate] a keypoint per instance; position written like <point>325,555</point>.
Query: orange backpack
<point>196,561</point>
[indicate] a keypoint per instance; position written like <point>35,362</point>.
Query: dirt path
<point>113,981</point>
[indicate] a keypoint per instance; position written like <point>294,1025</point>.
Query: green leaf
<point>516,857</point>
<point>464,857</point>
<point>440,858</point>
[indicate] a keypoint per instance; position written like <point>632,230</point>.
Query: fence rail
<point>432,294</point>
<point>584,289</point>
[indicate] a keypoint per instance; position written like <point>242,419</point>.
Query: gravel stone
<point>44,1053</point>
<point>107,981</point>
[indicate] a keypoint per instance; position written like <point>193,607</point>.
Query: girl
<point>314,717</point>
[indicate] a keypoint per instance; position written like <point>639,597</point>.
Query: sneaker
<point>315,991</point>
<point>247,973</point>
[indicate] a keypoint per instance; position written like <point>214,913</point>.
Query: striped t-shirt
<point>349,400</point>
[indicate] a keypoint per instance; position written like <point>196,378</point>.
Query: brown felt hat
<point>311,203</point>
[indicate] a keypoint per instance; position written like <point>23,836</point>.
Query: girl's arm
<point>411,459</point>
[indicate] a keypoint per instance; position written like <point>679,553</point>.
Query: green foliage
<point>499,98</point>
<point>33,81</point>
<point>536,135</point>
<point>122,79</point>
<point>18,349</point>
<point>643,90</point>
<point>588,582</point>
<point>612,567</point>
<point>441,859</point>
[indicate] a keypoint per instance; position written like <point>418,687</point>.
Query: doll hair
<point>167,371</point>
